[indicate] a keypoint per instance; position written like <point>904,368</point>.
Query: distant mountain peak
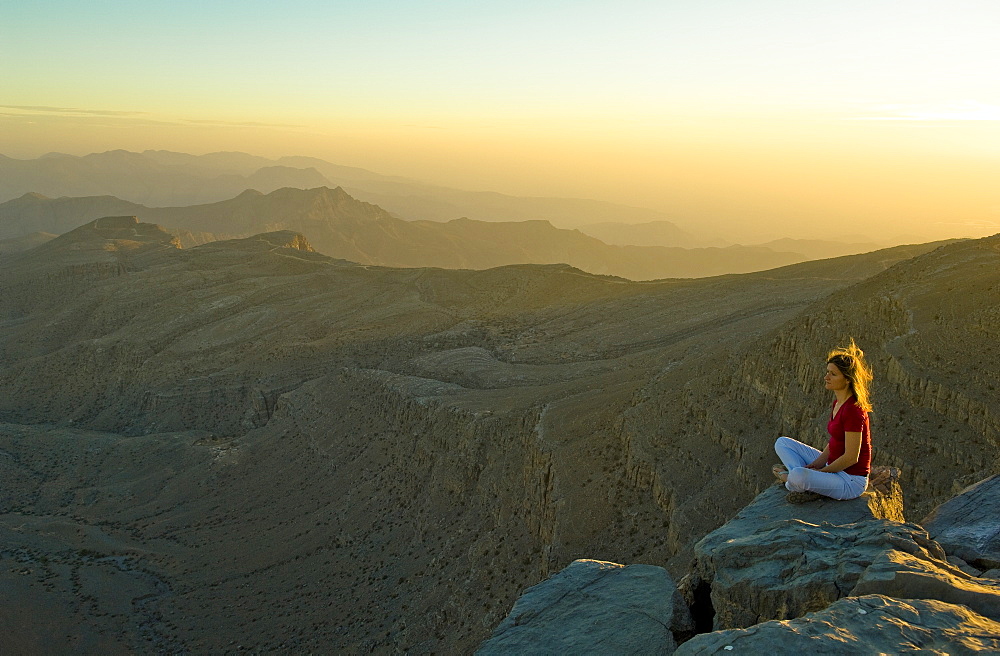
<point>116,229</point>
<point>33,196</point>
<point>337,193</point>
<point>118,155</point>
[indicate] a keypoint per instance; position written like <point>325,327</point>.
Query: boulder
<point>777,560</point>
<point>595,607</point>
<point>914,575</point>
<point>788,568</point>
<point>968,525</point>
<point>771,506</point>
<point>871,624</point>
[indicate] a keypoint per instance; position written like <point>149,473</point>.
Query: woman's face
<point>835,380</point>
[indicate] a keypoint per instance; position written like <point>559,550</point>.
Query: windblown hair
<point>851,362</point>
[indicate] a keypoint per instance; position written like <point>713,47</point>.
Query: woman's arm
<point>852,451</point>
<point>820,460</point>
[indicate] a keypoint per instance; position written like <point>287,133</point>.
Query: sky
<point>877,119</point>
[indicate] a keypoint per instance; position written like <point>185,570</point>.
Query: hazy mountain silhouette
<point>816,249</point>
<point>289,438</point>
<point>165,178</point>
<point>26,242</point>
<point>343,227</point>
<point>142,179</point>
<point>36,212</point>
<point>652,233</point>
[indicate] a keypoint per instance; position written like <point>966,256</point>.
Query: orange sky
<point>876,118</point>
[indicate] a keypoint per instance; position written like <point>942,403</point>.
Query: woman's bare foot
<point>780,473</point>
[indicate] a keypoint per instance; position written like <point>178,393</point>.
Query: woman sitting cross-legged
<point>841,470</point>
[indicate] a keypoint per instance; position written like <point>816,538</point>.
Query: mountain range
<point>251,445</point>
<point>343,227</point>
<point>164,178</point>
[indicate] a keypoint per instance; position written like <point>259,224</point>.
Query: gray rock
<point>771,505</point>
<point>968,525</point>
<point>595,607</point>
<point>788,568</point>
<point>964,566</point>
<point>861,625</point>
<point>915,575</point>
<point>772,562</point>
<point>991,574</point>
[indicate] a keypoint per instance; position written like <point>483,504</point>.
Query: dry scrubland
<point>251,444</point>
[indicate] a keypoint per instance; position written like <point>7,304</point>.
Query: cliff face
<point>925,325</point>
<point>285,430</point>
<point>785,578</point>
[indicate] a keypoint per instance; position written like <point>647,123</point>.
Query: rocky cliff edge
<point>819,577</point>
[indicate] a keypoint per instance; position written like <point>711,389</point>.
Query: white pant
<point>795,455</point>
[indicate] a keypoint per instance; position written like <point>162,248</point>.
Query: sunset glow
<point>782,118</point>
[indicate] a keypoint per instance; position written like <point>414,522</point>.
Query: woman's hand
<point>821,460</point>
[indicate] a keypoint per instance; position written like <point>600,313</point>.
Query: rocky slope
<point>782,578</point>
<point>250,443</point>
<point>928,327</point>
<point>343,227</point>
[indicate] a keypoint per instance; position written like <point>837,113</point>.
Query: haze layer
<point>769,119</point>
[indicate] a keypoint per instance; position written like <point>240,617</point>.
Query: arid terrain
<point>249,444</point>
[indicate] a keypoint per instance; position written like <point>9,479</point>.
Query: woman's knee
<point>782,441</point>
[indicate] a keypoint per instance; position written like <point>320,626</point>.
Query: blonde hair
<point>851,362</point>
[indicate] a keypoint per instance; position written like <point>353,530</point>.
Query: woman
<point>841,470</point>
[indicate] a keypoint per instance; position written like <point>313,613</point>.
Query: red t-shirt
<point>850,418</point>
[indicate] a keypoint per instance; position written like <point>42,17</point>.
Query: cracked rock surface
<point>861,625</point>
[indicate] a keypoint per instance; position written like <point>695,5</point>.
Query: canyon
<point>251,444</point>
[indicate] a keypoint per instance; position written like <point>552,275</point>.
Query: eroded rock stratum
<point>819,577</point>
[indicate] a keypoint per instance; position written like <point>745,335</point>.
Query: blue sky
<point>503,58</point>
